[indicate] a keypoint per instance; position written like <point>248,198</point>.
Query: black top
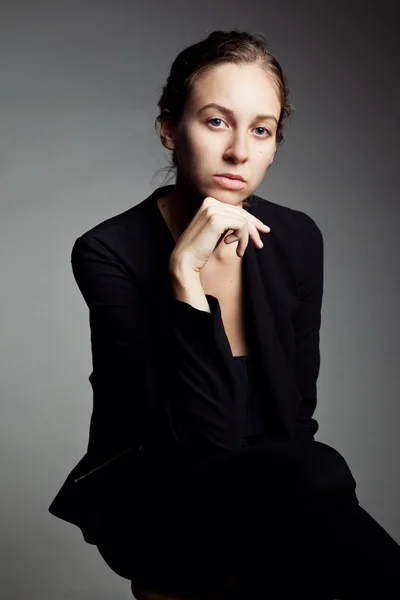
<point>253,425</point>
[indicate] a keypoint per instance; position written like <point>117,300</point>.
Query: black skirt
<point>282,517</point>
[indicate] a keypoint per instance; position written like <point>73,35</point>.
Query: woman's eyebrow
<point>230,112</point>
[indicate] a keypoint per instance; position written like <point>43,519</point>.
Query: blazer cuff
<point>204,329</point>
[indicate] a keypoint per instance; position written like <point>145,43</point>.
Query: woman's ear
<point>274,154</point>
<point>167,131</point>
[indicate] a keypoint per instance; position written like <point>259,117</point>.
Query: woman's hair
<point>197,60</point>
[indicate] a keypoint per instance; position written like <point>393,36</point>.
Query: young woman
<point>205,309</point>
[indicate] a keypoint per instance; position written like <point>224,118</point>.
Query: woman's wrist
<point>186,286</point>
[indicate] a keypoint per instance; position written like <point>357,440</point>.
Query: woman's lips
<point>228,183</point>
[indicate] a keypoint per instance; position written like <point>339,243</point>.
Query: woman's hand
<point>210,224</point>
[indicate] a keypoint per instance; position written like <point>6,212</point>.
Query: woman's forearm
<point>186,286</point>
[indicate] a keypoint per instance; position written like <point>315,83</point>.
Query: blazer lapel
<point>266,329</point>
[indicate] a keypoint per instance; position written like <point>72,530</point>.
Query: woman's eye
<point>209,121</point>
<point>266,134</point>
<point>264,129</point>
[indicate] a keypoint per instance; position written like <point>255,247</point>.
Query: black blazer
<point>146,343</point>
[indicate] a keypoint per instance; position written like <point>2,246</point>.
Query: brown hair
<point>236,47</point>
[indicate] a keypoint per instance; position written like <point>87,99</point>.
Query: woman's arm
<point>203,411</point>
<point>186,286</point>
<point>117,327</point>
<point>307,322</point>
<point>199,401</point>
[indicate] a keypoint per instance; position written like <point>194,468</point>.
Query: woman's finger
<point>253,232</point>
<point>243,242</point>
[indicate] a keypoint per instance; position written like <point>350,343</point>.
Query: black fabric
<point>163,372</point>
<point>191,449</point>
<point>253,426</point>
<point>281,518</point>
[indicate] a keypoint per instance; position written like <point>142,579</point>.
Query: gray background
<point>79,84</point>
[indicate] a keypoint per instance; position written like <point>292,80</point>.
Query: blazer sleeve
<point>307,322</point>
<point>199,407</point>
<point>203,411</point>
<point>117,343</point>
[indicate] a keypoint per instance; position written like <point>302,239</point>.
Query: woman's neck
<point>181,204</point>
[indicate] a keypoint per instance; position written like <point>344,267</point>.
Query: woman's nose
<point>238,149</point>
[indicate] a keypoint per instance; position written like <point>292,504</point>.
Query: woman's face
<point>211,141</point>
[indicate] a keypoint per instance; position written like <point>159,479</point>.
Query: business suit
<point>145,343</point>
